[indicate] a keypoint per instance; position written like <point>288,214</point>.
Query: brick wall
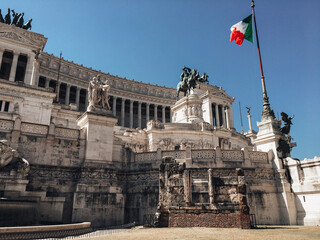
<point>209,219</point>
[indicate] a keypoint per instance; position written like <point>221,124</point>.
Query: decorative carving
<point>14,36</point>
<point>136,147</point>
<point>174,154</point>
<point>165,143</point>
<point>203,154</point>
<point>20,35</point>
<point>258,156</point>
<point>146,157</point>
<point>6,125</point>
<point>232,155</point>
<point>204,144</point>
<point>154,124</point>
<point>206,126</point>
<point>34,128</point>
<point>67,133</point>
<point>199,174</point>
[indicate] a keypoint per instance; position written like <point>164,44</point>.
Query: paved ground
<point>263,232</point>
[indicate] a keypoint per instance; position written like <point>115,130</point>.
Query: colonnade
<point>16,66</point>
<point>222,115</point>
<point>67,93</point>
<point>136,113</point>
<point>131,113</point>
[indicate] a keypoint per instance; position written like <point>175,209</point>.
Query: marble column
<point>28,73</point>
<point>35,72</point>
<point>164,114</point>
<point>47,83</point>
<point>131,113</point>
<point>123,101</point>
<point>1,56</point>
<point>223,116</point>
<point>147,111</point>
<point>155,112</point>
<point>217,115</point>
<point>227,117</point>
<point>78,97</point>
<point>86,103</point>
<point>67,99</point>
<point>250,123</point>
<point>2,106</point>
<point>231,117</point>
<point>139,114</point>
<point>58,93</point>
<point>210,113</point>
<point>14,66</point>
<point>170,114</point>
<point>114,106</point>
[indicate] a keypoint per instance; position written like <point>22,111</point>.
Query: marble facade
<point>105,168</point>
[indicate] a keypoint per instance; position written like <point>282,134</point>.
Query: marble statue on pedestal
<point>98,94</point>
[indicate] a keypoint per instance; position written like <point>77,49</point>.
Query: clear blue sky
<point>150,41</point>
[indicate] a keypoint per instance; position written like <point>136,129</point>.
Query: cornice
<point>28,89</point>
<point>21,36</point>
<point>49,64</point>
<point>144,98</point>
<point>76,74</point>
<point>46,72</point>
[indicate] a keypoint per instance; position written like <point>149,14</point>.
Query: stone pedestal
<point>188,109</point>
<point>99,136</point>
<point>267,140</point>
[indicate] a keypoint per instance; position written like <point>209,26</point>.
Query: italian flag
<point>242,30</point>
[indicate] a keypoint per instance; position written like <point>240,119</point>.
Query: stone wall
<point>107,196</point>
<point>305,180</point>
<point>201,197</point>
<point>142,195</point>
<point>35,143</point>
<point>99,198</point>
<point>201,218</point>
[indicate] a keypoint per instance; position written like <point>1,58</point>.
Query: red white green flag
<point>242,30</point>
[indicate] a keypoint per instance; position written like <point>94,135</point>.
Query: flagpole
<point>57,83</point>
<point>267,112</point>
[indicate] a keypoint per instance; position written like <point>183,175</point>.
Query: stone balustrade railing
<point>243,157</point>
<point>38,129</point>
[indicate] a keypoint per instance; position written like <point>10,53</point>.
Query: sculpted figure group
<point>285,144</point>
<point>17,19</point>
<point>11,158</point>
<point>98,94</point>
<point>189,80</point>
